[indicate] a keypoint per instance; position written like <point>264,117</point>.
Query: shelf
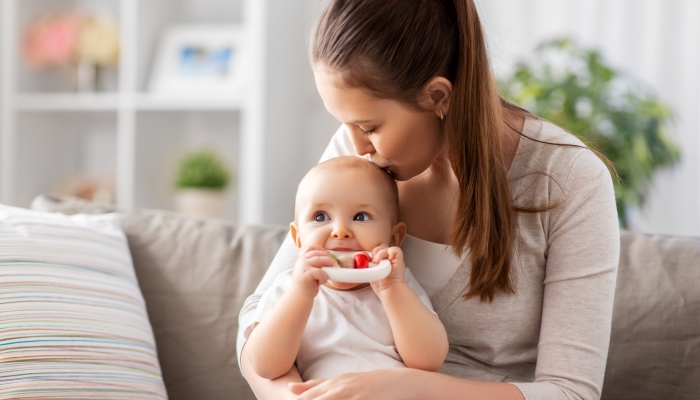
<point>67,102</point>
<point>41,118</point>
<point>113,102</point>
<point>161,102</point>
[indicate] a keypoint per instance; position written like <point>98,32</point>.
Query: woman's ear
<point>294,232</point>
<point>398,234</point>
<point>436,95</point>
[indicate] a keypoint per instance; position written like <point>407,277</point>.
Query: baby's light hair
<point>346,162</point>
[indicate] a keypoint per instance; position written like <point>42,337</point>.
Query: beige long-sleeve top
<point>551,338</point>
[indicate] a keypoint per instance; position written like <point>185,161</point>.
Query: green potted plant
<point>610,112</point>
<point>202,178</point>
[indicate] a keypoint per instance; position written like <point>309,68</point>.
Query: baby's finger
<point>380,255</point>
<point>395,253</point>
<point>313,250</point>
<point>319,261</point>
<point>318,274</point>
<point>378,248</point>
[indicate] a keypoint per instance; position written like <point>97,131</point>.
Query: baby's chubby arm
<point>420,337</point>
<point>274,343</point>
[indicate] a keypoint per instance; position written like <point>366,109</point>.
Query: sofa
<point>195,274</point>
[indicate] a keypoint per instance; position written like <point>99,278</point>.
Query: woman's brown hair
<point>393,48</point>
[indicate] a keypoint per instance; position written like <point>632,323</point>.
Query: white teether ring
<point>375,272</point>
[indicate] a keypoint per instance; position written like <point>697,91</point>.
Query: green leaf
<point>608,110</point>
<point>202,169</point>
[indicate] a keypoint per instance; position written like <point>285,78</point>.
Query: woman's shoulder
<point>340,145</point>
<point>545,148</point>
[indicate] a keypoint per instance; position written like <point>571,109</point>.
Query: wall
<point>654,40</point>
<point>298,128</point>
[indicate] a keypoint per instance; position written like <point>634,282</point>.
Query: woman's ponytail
<point>485,217</point>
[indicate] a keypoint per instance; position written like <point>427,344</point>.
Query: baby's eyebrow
<point>366,206</point>
<point>319,205</point>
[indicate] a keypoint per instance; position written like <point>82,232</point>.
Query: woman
<point>525,210</point>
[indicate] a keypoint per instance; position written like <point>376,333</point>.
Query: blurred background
<point>209,106</point>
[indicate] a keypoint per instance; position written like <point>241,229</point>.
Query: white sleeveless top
<point>432,264</point>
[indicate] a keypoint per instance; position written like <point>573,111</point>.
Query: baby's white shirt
<point>347,331</point>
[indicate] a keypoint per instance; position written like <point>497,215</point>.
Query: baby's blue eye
<point>361,217</point>
<point>321,217</point>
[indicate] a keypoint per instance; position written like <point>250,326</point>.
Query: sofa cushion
<point>72,319</point>
<point>195,273</point>
<point>655,341</point>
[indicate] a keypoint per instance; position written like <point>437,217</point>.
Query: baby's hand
<point>398,268</point>
<point>308,275</point>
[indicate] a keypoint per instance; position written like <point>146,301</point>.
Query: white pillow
<point>73,322</point>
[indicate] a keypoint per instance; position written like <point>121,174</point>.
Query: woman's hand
<point>383,384</point>
<point>398,268</point>
<point>402,384</point>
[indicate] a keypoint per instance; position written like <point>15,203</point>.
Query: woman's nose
<point>361,142</point>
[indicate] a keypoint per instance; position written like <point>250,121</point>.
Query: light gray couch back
<point>655,341</point>
<point>195,274</point>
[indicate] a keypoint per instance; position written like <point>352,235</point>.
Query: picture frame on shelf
<point>203,59</point>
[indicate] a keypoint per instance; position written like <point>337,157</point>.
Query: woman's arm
<point>420,337</point>
<point>266,389</point>
<point>404,384</point>
<point>583,250</point>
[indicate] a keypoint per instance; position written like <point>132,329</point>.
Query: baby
<point>330,328</point>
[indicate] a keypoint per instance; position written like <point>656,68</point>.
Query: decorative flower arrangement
<point>51,41</point>
<point>72,40</point>
<point>98,42</point>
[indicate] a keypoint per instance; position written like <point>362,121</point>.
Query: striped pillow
<point>73,323</point>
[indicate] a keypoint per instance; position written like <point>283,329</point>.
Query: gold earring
<point>442,116</point>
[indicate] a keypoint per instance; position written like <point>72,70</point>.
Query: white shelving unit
<point>48,131</point>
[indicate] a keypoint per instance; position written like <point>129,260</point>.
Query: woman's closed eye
<point>361,217</point>
<point>321,217</point>
<point>368,131</point>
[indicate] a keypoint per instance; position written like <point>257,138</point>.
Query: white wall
<point>654,40</point>
<point>298,128</point>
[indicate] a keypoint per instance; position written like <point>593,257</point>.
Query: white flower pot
<point>200,202</point>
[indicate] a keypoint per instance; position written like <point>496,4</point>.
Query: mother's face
<point>396,137</point>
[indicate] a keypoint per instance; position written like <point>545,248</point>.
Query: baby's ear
<point>398,234</point>
<point>294,232</point>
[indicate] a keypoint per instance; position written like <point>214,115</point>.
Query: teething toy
<point>361,261</point>
<point>356,267</point>
<point>346,261</point>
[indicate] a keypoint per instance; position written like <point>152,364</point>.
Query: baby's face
<point>344,210</point>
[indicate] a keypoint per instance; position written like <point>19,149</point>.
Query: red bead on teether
<point>361,260</point>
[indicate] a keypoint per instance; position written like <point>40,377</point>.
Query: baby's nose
<point>341,231</point>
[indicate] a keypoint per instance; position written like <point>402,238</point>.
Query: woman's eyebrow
<point>360,122</point>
